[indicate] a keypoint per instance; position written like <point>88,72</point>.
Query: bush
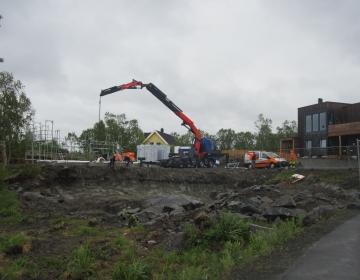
<point>81,262</point>
<point>30,170</point>
<point>229,227</point>
<point>137,270</point>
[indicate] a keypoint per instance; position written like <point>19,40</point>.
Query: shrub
<point>30,170</point>
<point>81,262</point>
<point>137,270</point>
<point>229,227</point>
<point>120,242</point>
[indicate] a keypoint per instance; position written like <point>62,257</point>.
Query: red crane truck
<point>203,151</point>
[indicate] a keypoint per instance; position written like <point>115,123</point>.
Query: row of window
<point>322,144</point>
<point>157,143</point>
<point>316,122</point>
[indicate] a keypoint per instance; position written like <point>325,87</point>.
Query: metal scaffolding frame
<point>47,145</point>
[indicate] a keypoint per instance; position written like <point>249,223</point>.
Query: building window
<point>322,121</point>
<point>151,143</point>
<point>158,144</point>
<point>331,118</point>
<point>308,123</point>
<point>315,122</point>
<point>308,144</point>
<point>323,143</point>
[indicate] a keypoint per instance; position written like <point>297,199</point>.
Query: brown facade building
<point>328,124</point>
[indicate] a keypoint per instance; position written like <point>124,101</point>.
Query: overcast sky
<point>222,62</point>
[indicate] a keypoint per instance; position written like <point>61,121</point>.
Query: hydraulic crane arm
<point>168,103</point>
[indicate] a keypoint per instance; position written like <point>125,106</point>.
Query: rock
<point>66,198</point>
<point>213,195</point>
<point>29,196</point>
<point>161,201</point>
<point>272,212</point>
<point>302,195</point>
<point>216,205</point>
<point>142,217</point>
<point>175,243</point>
<point>266,199</point>
<point>244,205</point>
<point>240,207</point>
<point>353,206</point>
<point>284,201</point>
<point>320,212</point>
<point>256,217</point>
<point>37,198</point>
<point>133,211</point>
<point>152,213</point>
<point>20,190</point>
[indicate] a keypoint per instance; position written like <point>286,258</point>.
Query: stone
<point>353,206</point>
<point>320,212</point>
<point>272,212</point>
<point>142,217</point>
<point>284,201</point>
<point>175,243</point>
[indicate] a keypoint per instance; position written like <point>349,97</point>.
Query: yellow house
<point>158,138</point>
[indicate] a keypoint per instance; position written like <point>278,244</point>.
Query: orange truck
<point>264,160</point>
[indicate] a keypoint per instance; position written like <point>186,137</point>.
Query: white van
<point>264,160</point>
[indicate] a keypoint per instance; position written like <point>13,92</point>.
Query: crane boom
<point>188,123</point>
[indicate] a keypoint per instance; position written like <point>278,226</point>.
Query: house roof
<point>167,138</point>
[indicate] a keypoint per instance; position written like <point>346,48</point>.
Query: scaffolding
<point>47,144</point>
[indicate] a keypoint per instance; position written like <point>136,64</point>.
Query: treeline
<point>262,139</point>
<point>17,116</point>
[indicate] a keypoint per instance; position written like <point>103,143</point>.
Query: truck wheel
<point>201,164</point>
<point>272,165</point>
<point>250,166</point>
<point>211,163</point>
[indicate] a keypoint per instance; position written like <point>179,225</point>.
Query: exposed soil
<point>98,194</point>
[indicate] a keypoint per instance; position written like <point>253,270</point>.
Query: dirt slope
<point>100,193</point>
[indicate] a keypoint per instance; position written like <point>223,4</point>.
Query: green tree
<point>225,139</point>
<point>288,129</point>
<point>264,130</point>
<point>99,131</point>
<point>1,59</point>
<point>244,141</point>
<point>183,140</point>
<point>16,113</point>
<point>127,133</point>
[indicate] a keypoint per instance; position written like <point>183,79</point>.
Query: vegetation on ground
<point>212,248</point>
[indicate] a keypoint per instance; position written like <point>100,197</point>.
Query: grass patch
<point>81,263</point>
<point>86,231</point>
<point>9,203</point>
<point>213,252</point>
<point>136,270</point>
<point>13,242</point>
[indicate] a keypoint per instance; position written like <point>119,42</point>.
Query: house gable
<point>158,137</point>
<point>155,138</point>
